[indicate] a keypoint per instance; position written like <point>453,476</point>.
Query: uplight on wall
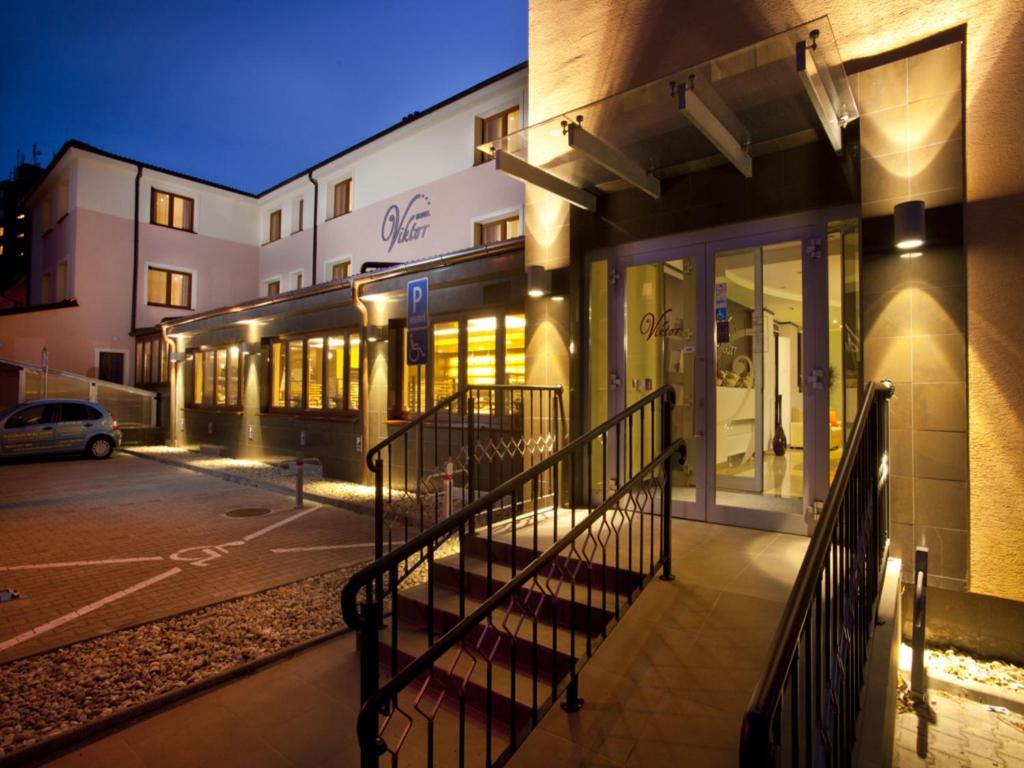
<point>908,223</point>
<point>538,281</point>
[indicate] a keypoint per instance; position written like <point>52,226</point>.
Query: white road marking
<point>278,524</point>
<point>326,547</point>
<point>85,609</point>
<point>76,563</point>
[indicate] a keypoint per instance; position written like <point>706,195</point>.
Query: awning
<point>783,91</point>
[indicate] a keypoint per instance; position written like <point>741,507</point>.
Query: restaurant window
<point>151,362</point>
<point>273,287</point>
<point>342,198</point>
<point>170,210</point>
<point>167,288</point>
<point>489,232</point>
<point>495,353</point>
<point>216,376</point>
<point>318,373</point>
<point>275,226</point>
<point>492,128</point>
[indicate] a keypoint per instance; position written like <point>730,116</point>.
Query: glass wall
<point>316,373</point>
<point>216,377</point>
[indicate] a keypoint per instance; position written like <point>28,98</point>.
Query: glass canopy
<point>782,91</point>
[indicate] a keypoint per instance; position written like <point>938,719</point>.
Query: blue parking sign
<point>416,303</point>
<point>416,346</point>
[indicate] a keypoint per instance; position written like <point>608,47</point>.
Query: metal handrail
<point>365,721</point>
<point>769,691</point>
<point>440,405</point>
<point>376,570</point>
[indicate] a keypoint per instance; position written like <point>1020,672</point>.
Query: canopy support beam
<point>812,79</point>
<point>612,159</point>
<point>511,165</point>
<point>697,112</point>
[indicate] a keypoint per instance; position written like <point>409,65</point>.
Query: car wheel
<point>100,448</point>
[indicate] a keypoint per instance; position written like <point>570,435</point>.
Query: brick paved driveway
<point>96,546</point>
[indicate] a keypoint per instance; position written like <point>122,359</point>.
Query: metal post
<point>369,683</point>
<point>447,492</point>
<point>378,520</point>
<point>918,677</point>
<point>666,491</point>
<point>299,469</point>
<point>470,459</point>
<point>573,702</point>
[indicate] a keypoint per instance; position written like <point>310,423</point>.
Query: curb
<point>63,742</point>
<point>261,484</point>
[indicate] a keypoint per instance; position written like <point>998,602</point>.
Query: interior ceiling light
<point>908,223</point>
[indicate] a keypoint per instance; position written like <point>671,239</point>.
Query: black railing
<point>470,441</point>
<point>804,710</point>
<point>499,628</point>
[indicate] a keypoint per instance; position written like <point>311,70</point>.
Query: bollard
<point>446,479</point>
<point>918,677</point>
<point>299,469</point>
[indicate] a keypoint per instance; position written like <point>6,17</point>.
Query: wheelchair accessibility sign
<point>417,318</point>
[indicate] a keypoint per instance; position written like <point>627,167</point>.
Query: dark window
<point>37,414</point>
<point>492,128</point>
<point>340,270</point>
<point>112,367</point>
<point>275,226</point>
<point>273,287</point>
<point>491,232</point>
<point>342,198</point>
<point>167,288</point>
<point>170,210</point>
<point>78,412</point>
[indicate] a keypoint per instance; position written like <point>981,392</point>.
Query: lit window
<point>167,288</point>
<point>445,362</point>
<point>216,373</point>
<point>320,373</point>
<point>169,210</point>
<point>275,226</point>
<point>490,232</point>
<point>515,349</point>
<point>492,128</point>
<point>342,198</point>
<point>273,287</point>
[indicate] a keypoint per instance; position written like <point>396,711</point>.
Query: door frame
<point>811,228</point>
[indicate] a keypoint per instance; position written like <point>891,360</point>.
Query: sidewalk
<point>669,686</point>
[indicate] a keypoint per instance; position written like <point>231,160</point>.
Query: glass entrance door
<point>725,323</point>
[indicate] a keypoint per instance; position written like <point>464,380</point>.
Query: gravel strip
<point>954,663</point>
<point>63,689</point>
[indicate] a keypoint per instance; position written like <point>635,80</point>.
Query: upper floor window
<point>273,287</point>
<point>299,214</point>
<point>47,216</point>
<point>171,210</point>
<point>167,288</point>
<point>275,226</point>
<point>341,269</point>
<point>62,201</point>
<point>489,232</point>
<point>342,198</point>
<point>297,280</point>
<point>62,281</point>
<point>492,128</point>
<point>45,297</point>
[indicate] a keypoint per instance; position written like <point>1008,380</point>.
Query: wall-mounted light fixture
<point>538,281</point>
<point>376,333</point>
<point>908,223</point>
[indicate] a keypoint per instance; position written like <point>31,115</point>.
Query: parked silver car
<point>58,426</point>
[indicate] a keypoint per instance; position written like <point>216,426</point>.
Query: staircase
<point>478,623</point>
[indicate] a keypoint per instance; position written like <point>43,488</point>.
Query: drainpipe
<point>364,373</point>
<point>135,251</point>
<point>172,386</point>
<point>316,202</point>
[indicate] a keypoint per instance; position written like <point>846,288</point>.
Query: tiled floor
<point>670,684</point>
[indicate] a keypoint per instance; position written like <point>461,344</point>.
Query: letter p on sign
<point>417,301</point>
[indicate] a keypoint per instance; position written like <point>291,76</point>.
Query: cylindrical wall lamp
<point>908,223</point>
<point>538,281</point>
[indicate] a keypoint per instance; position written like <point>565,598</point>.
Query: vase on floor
<point>779,442</point>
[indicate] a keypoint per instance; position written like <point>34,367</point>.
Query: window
<point>477,351</point>
<point>216,377</point>
<point>44,289</point>
<point>492,128</point>
<point>489,232</point>
<point>30,417</point>
<point>299,211</point>
<point>275,226</point>
<point>167,288</point>
<point>62,201</point>
<point>151,362</point>
<point>273,287</point>
<point>169,210</point>
<point>296,280</point>
<point>341,269</point>
<point>78,412</point>
<point>47,216</point>
<point>62,281</point>
<point>342,198</point>
<point>317,373</point>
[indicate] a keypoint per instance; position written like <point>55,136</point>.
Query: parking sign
<point>416,313</point>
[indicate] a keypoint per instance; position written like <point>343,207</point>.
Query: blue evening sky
<point>241,93</point>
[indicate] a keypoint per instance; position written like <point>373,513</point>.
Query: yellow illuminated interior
<point>445,359</point>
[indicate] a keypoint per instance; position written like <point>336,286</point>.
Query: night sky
<point>241,93</point>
